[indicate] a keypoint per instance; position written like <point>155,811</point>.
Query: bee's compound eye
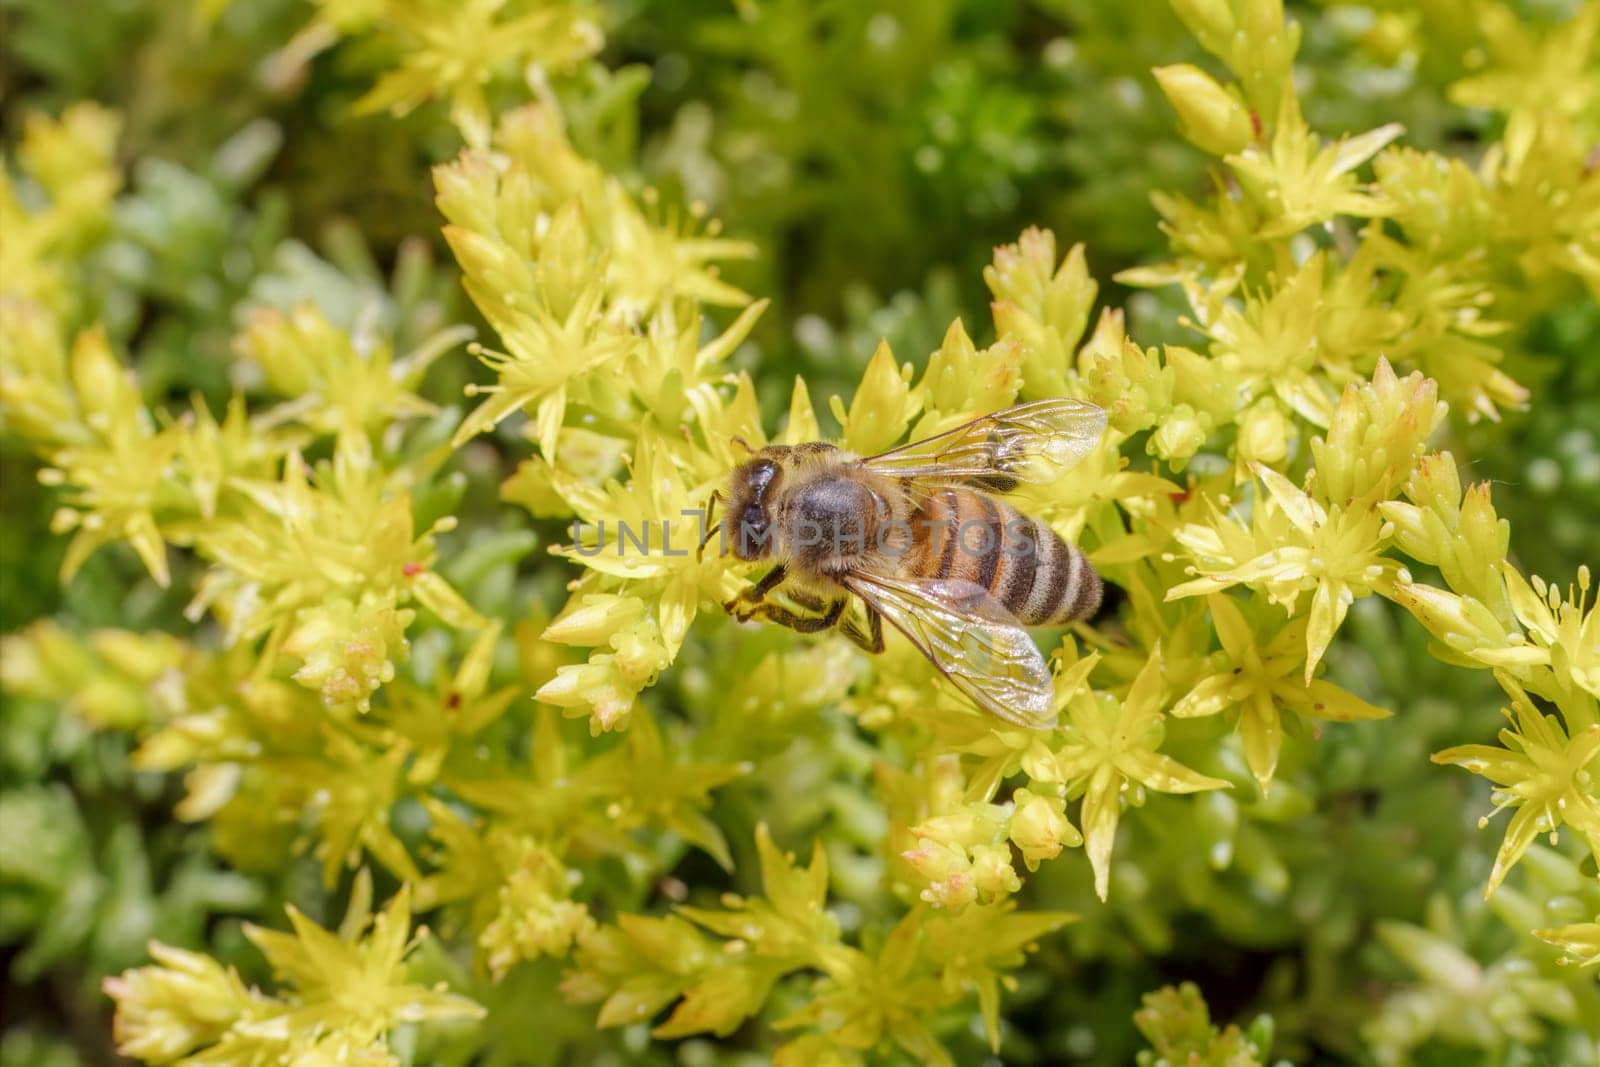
<point>762,471</point>
<point>752,535</point>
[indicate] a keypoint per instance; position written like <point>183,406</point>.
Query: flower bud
<point>640,654</point>
<point>182,1002</point>
<point>466,192</point>
<point>948,871</point>
<point>992,874</point>
<point>1436,485</point>
<point>1180,435</point>
<point>962,828</point>
<point>1210,20</point>
<point>574,682</point>
<point>534,918</point>
<point>936,861</point>
<point>1263,435</point>
<point>1484,538</point>
<point>1039,828</point>
<point>1213,120</point>
<point>1462,623</point>
<point>101,383</point>
<point>597,618</point>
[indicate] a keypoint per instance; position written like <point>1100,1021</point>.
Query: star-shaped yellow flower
<point>1550,779</point>
<point>1111,751</point>
<point>1294,545</point>
<point>1262,679</point>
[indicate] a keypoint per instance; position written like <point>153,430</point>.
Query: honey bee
<point>914,535</point>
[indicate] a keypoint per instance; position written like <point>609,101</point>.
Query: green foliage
<point>1179,1029</point>
<point>313,491</point>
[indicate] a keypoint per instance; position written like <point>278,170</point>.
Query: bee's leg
<point>769,581</point>
<point>805,624</point>
<point>742,606</point>
<point>869,641</point>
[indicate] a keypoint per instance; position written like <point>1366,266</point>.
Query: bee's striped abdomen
<point>933,536</point>
<point>966,535</point>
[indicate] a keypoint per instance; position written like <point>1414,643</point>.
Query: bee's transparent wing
<point>974,641</point>
<point>1028,443</point>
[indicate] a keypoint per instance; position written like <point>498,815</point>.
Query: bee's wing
<point>1027,443</point>
<point>973,640</point>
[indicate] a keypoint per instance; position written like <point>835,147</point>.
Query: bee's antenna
<point>700,553</point>
<point>742,443</point>
<point>711,508</point>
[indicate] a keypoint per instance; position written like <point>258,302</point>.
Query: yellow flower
<point>115,478</point>
<point>882,408</point>
<point>1264,435</point>
<point>1569,635</point>
<point>1300,338</point>
<point>346,994</point>
<point>35,386</point>
<point>108,679</point>
<point>566,267</point>
<point>535,916</point>
<point>73,158</point>
<point>1551,779</point>
<point>1297,183</point>
<point>1262,678</point>
<point>658,260</point>
<point>1252,38</point>
<point>72,162</point>
<point>641,538</point>
<point>1293,545</point>
<point>1536,69</point>
<point>1376,436</point>
<point>1579,941</point>
<point>1109,751</point>
<point>351,985</point>
<point>548,346</point>
<point>326,565</point>
<point>348,648</point>
<point>350,795</point>
<point>454,49</point>
<point>186,1002</point>
<point>459,705</point>
<point>1461,534</point>
<point>962,381</point>
<point>965,857</point>
<point>337,384</point>
<point>1044,307</point>
<point>212,455</point>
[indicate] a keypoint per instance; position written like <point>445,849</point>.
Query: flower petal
<point>1324,700</point>
<point>1235,634</point>
<point>1295,503</point>
<point>1101,809</point>
<point>1519,835</point>
<point>1210,696</point>
<point>1501,766</point>
<point>1262,733</point>
<point>1165,774</point>
<point>1327,612</point>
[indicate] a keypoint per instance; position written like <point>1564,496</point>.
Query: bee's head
<point>751,525</point>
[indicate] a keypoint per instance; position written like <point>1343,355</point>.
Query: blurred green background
<point>876,153</point>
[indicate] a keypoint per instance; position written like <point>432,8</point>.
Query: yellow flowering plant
<point>597,783</point>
